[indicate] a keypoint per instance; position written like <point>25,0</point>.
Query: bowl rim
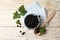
<point>39,23</point>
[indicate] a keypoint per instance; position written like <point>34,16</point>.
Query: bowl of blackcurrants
<point>32,21</point>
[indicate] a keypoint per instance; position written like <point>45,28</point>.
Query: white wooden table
<point>8,29</point>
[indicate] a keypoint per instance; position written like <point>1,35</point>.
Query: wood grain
<point>9,31</point>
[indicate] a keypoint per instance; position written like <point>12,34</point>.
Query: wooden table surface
<point>8,29</point>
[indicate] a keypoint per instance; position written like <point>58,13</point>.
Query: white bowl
<point>34,15</point>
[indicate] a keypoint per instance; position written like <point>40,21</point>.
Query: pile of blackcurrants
<point>31,21</point>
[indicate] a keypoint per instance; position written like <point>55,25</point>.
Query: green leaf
<point>22,10</point>
<point>18,22</point>
<point>23,13</point>
<point>42,30</point>
<point>16,15</point>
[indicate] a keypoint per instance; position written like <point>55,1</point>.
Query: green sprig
<point>42,30</point>
<point>17,14</point>
<point>18,22</point>
<point>22,10</point>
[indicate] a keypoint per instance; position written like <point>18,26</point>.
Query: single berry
<point>23,33</point>
<point>17,25</point>
<point>20,31</point>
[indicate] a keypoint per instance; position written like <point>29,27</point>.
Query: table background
<point>8,29</point>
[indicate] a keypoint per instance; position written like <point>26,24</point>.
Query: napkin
<point>35,8</point>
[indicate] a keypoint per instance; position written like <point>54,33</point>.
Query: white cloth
<point>35,8</point>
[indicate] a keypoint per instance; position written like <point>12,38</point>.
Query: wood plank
<point>50,4</point>
<point>12,33</point>
<point>8,32</point>
<point>7,8</point>
<point>55,22</point>
<point>50,35</point>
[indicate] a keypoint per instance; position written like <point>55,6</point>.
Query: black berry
<point>17,25</point>
<point>20,31</point>
<point>23,33</point>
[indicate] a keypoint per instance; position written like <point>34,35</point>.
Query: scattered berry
<point>20,23</point>
<point>20,31</point>
<point>23,33</point>
<point>17,25</point>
